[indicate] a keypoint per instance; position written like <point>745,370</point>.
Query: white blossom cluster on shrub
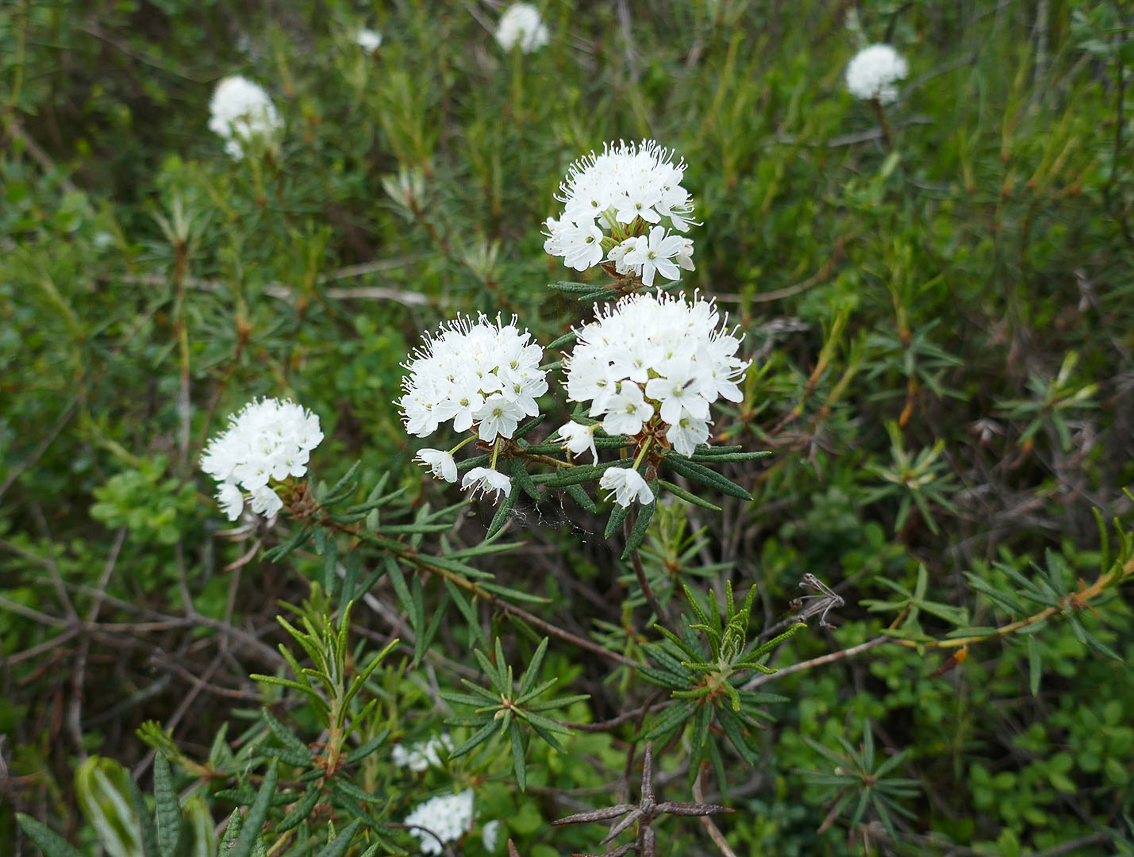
<point>270,439</point>
<point>620,208</point>
<point>521,25</point>
<point>651,361</point>
<point>872,73</point>
<point>422,755</point>
<point>446,817</point>
<point>480,375</point>
<point>240,111</point>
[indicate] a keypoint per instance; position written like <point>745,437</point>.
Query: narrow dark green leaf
<point>257,813</point>
<point>288,738</point>
<point>302,809</point>
<point>1035,666</point>
<point>565,339</point>
<point>338,846</point>
<point>361,752</point>
<point>638,532</point>
<point>475,741</point>
<point>167,809</point>
<point>688,496</point>
<point>518,762</point>
<point>49,842</point>
<point>617,516</point>
<point>330,566</point>
<point>296,541</point>
<point>503,511</point>
<point>231,832</point>
<point>703,475</point>
<point>582,498</point>
<point>342,483</point>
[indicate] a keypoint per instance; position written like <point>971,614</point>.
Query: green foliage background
<point>941,330</point>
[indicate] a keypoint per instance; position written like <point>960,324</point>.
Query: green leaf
<point>342,483</point>
<point>518,762</point>
<point>638,531</point>
<point>528,680</point>
<point>302,809</point>
<point>200,829</point>
<point>705,476</point>
<point>338,846</point>
<point>294,543</point>
<point>49,842</point>
<point>330,566</point>
<point>289,739</point>
<point>688,496</point>
<point>257,813</point>
<point>167,809</point>
<point>582,498</point>
<point>504,511</point>
<point>617,516</point>
<point>361,752</point>
<point>1035,666</point>
<point>231,833</point>
<point>103,788</point>
<point>475,741</point>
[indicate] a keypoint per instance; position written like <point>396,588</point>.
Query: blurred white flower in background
<point>445,817</point>
<point>521,24</point>
<point>269,440</point>
<point>872,73</point>
<point>368,40</point>
<point>240,112</point>
<point>489,834</point>
<point>422,755</point>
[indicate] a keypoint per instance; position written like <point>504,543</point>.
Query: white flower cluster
<point>873,72</point>
<point>481,375</point>
<point>610,200</point>
<point>269,439</point>
<point>473,373</point>
<point>444,818</point>
<point>368,40</point>
<point>241,110</point>
<point>521,24</point>
<point>423,755</point>
<point>653,362</point>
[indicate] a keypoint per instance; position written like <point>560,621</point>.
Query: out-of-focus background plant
<point>936,295</point>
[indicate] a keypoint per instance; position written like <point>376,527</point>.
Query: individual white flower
<point>579,438</point>
<point>441,463</point>
<point>231,500</point>
<point>687,433</point>
<point>872,73</point>
<point>627,411</point>
<point>483,375</point>
<point>521,24</point>
<point>241,111</point>
<point>441,820</point>
<point>368,40</point>
<point>655,363</point>
<point>626,485</point>
<point>268,440</point>
<point>489,834</point>
<point>654,254</point>
<point>484,480</point>
<point>610,200</point>
<point>422,755</point>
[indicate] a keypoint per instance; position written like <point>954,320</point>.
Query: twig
<point>706,822</point>
<point>821,275</point>
<point>756,681</point>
